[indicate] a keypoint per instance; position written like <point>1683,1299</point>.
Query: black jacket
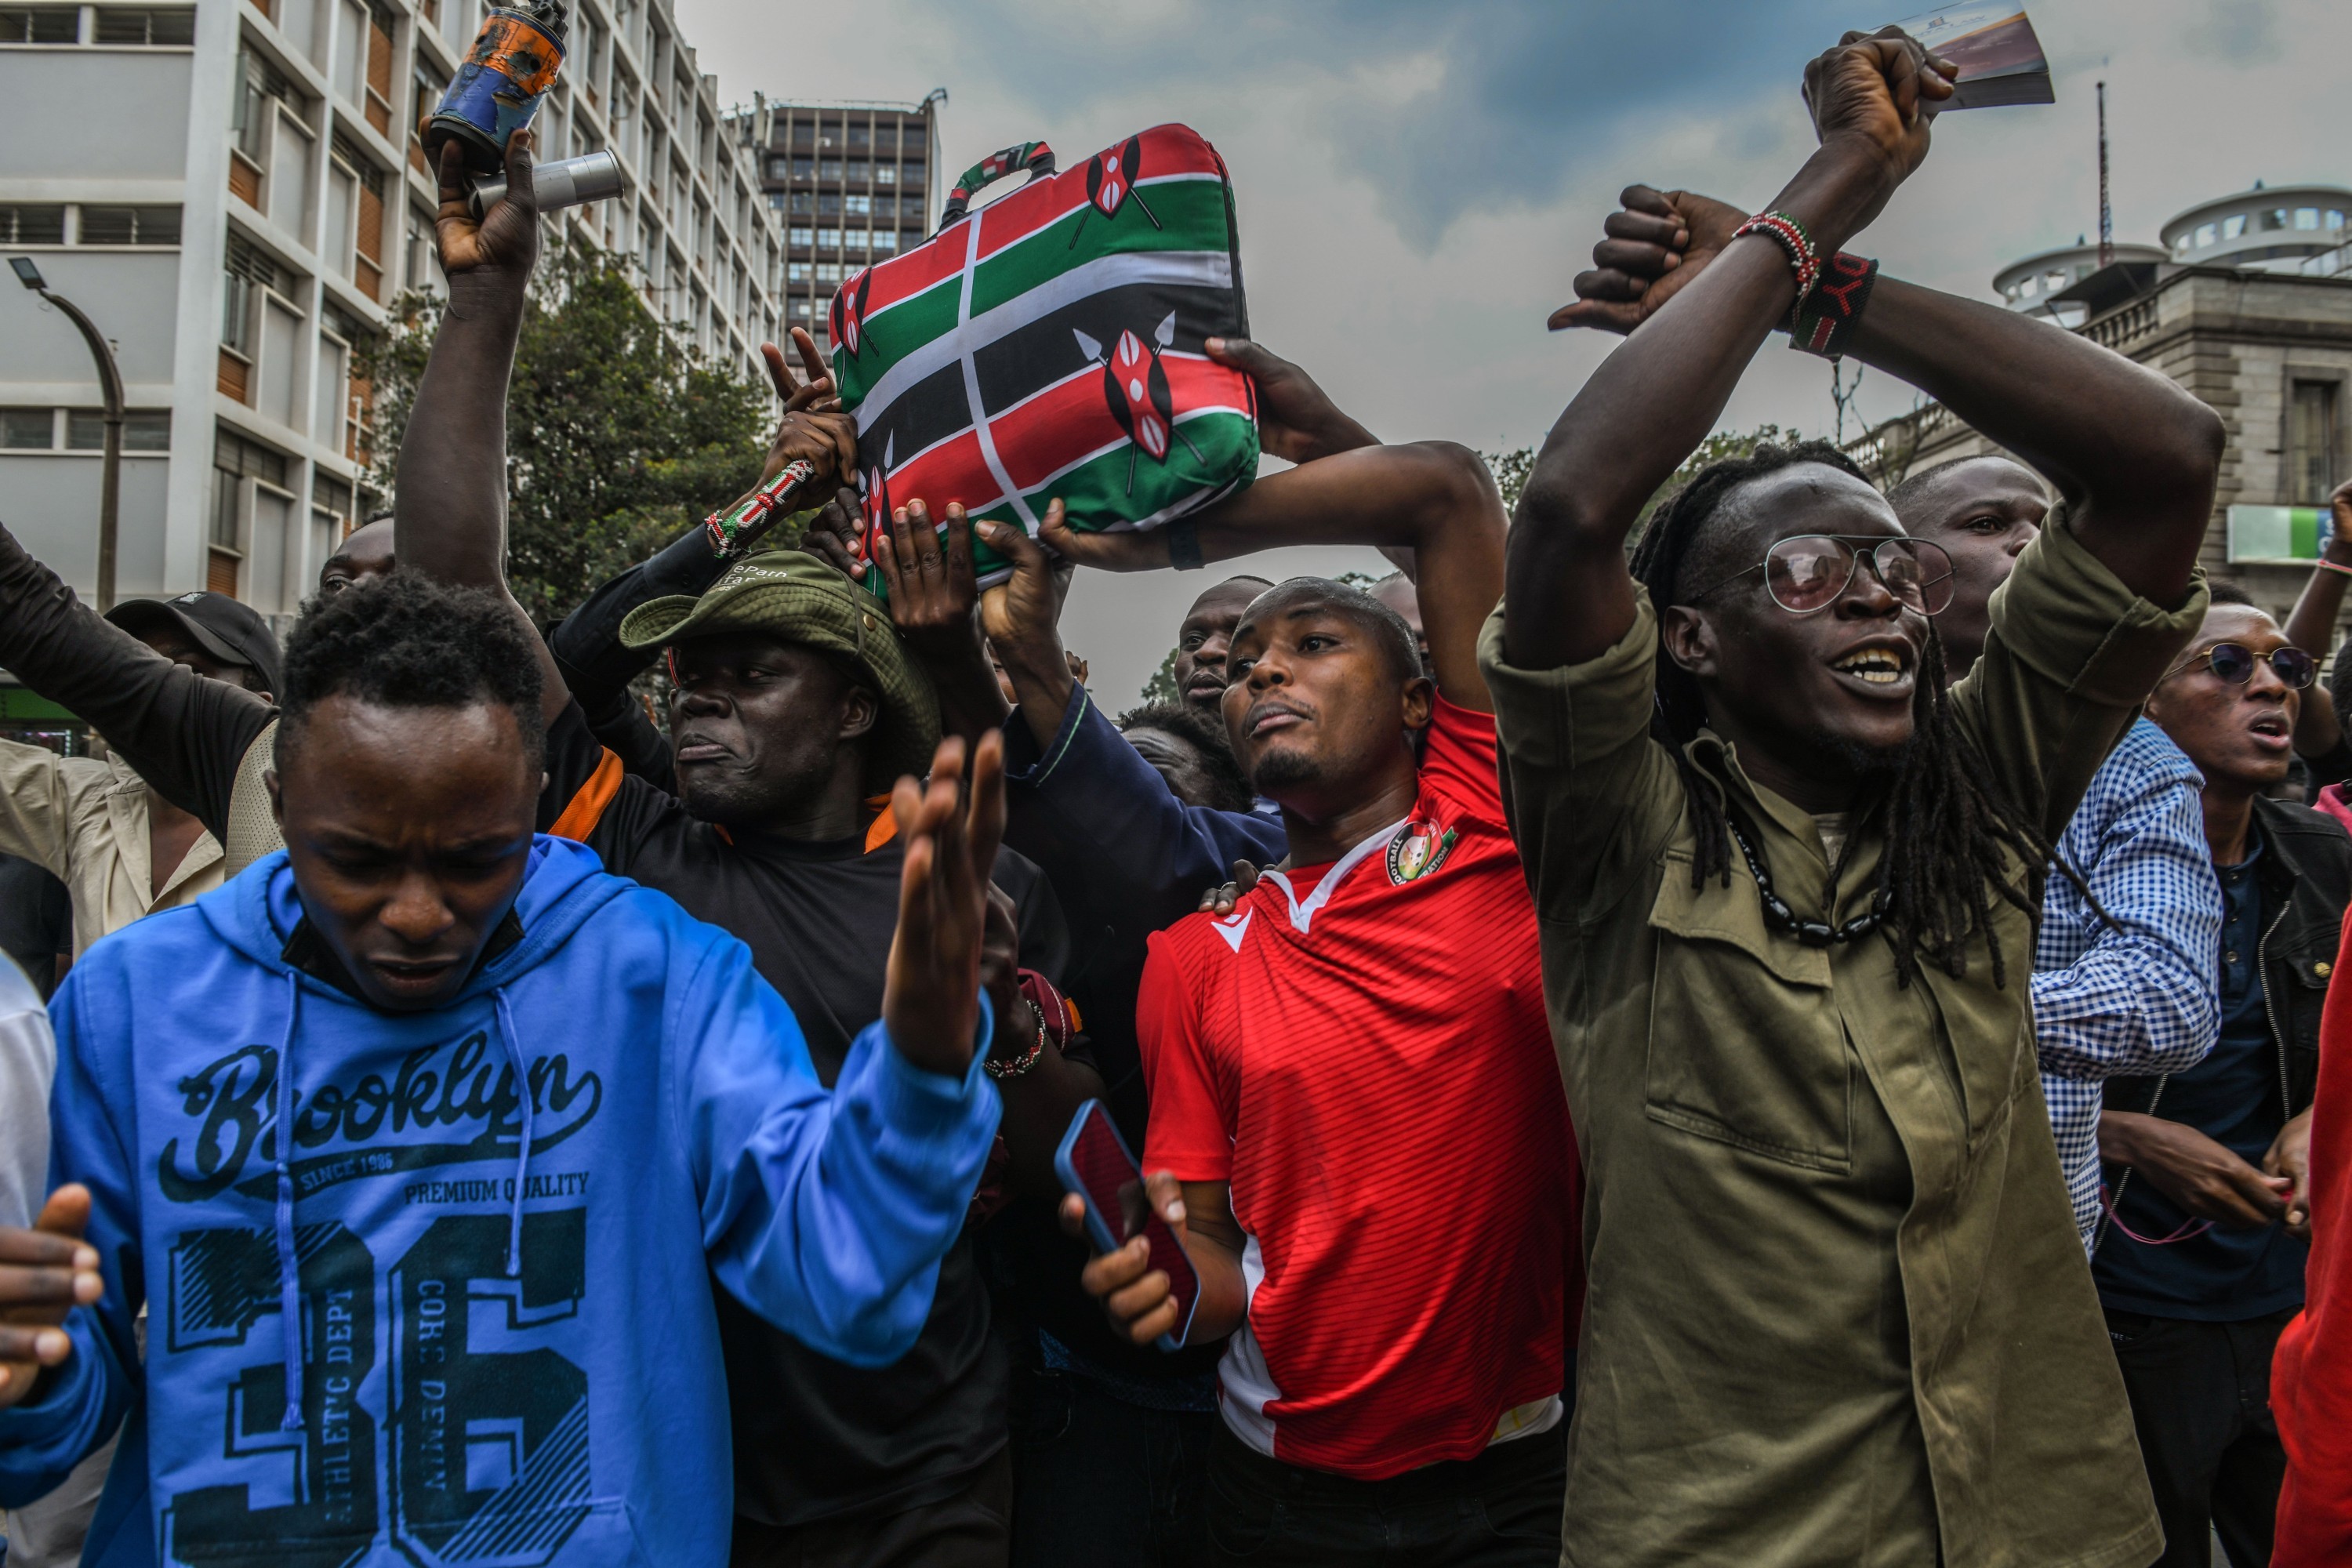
<point>2306,876</point>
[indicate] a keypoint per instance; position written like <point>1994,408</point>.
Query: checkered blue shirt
<point>2140,1000</point>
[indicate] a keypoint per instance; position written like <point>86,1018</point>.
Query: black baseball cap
<point>230,631</point>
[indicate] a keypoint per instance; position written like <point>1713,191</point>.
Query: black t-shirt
<point>36,919</point>
<point>816,1439</point>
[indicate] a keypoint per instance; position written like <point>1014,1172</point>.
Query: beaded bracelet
<point>2326,565</point>
<point>1824,319</point>
<point>1018,1067</point>
<point>733,528</point>
<point>1804,256</point>
<point>1056,1019</point>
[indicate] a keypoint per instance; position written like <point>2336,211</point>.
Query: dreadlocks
<point>1948,829</point>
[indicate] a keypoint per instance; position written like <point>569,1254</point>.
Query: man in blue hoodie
<point>423,1138</point>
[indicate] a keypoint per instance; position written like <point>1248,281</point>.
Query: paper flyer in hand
<point>1999,59</point>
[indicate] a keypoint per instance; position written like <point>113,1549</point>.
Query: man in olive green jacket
<point>1838,1312</point>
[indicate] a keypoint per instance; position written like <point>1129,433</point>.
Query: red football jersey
<point>1362,1050</point>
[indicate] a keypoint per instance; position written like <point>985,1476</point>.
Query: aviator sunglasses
<point>2235,664</point>
<point>1807,574</point>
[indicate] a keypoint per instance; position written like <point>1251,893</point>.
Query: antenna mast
<point>2106,213</point>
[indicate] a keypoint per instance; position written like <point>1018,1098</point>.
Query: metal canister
<point>564,184</point>
<point>512,64</point>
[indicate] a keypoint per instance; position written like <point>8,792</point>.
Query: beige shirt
<point>86,821</point>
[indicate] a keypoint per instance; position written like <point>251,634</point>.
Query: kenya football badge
<point>1111,175</point>
<point>1420,848</point>
<point>1135,386</point>
<point>849,311</point>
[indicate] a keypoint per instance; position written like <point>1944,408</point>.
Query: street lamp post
<point>109,382</point>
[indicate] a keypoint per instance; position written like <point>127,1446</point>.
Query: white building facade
<point>235,192</point>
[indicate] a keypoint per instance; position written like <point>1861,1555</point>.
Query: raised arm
<point>2312,625</point>
<point>2134,454</point>
<point>449,513</point>
<point>1570,596</point>
<point>450,488</point>
<point>1432,497</point>
<point>184,733</point>
<point>1084,803</point>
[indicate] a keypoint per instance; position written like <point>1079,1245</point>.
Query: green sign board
<point>18,703</point>
<point>2283,534</point>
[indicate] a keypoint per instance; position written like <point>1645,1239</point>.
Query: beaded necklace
<point>1811,934</point>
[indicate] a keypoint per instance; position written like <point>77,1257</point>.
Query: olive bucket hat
<point>797,597</point>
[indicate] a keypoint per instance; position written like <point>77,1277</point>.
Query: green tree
<point>1511,468</point>
<point>1714,449</point>
<point>1510,471</point>
<point>1161,687</point>
<point>620,433</point>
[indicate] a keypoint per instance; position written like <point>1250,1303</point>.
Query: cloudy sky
<point>1417,183</point>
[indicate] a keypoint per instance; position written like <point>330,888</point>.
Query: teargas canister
<point>512,64</point>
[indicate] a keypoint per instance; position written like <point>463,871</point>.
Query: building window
<point>235,460</point>
<point>829,204</point>
<point>912,174</point>
<point>859,206</point>
<point>2206,235</point>
<point>32,225</point>
<point>859,170</point>
<point>2334,219</point>
<point>860,135</point>
<point>885,241</point>
<point>162,27</point>
<point>2307,217</point>
<point>143,430</point>
<point>780,168</point>
<point>800,309</point>
<point>130,226</point>
<point>247,269</point>
<point>829,170</point>
<point>27,429</point>
<point>828,271</point>
<point>2232,227</point>
<point>40,23</point>
<point>331,502</point>
<point>2311,441</point>
<point>796,272</point>
<point>257,82</point>
<point>803,168</point>
<point>885,174</point>
<point>801,236</point>
<point>828,239</point>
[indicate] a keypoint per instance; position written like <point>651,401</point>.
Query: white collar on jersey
<point>1302,911</point>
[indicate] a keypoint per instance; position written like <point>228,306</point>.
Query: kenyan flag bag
<point>1050,345</point>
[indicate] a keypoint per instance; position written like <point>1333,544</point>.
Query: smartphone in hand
<point>1094,1163</point>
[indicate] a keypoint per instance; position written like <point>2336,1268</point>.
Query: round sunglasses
<point>2235,664</point>
<point>1808,573</point>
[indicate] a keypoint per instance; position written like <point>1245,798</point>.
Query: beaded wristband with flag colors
<point>1804,258</point>
<point>735,527</point>
<point>1823,320</point>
